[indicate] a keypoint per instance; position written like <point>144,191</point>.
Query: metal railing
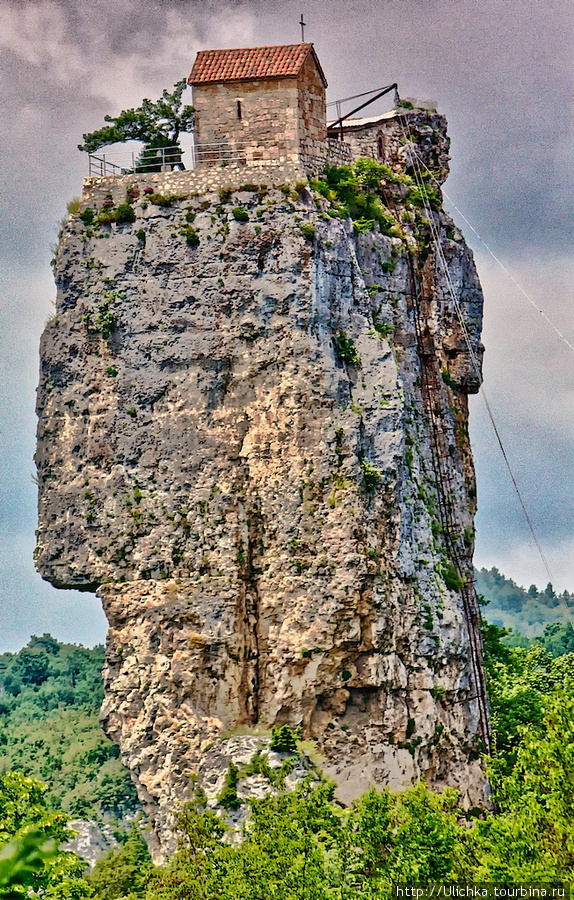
<point>128,162</point>
<point>174,158</point>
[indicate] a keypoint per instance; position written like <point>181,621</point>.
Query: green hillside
<point>50,695</point>
<point>526,611</point>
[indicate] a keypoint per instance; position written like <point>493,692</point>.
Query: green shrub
<point>141,236</point>
<point>165,199</point>
<point>124,213</point>
<point>111,371</point>
<point>347,350</point>
<point>73,205</point>
<point>425,195</point>
<point>355,191</point>
<point>371,475</point>
<point>87,216</point>
<point>228,797</point>
<point>106,216</point>
<point>361,226</point>
<point>308,231</point>
<point>451,577</point>
<point>284,739</point>
<point>240,214</point>
<point>191,236</point>
<point>225,194</point>
<point>448,379</point>
<point>102,320</point>
<point>383,329</point>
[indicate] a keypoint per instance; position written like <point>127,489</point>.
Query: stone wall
<point>396,130</point>
<point>312,111</point>
<point>267,129</point>
<point>204,180</point>
<point>339,153</point>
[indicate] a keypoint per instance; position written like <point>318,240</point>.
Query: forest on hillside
<point>50,697</point>
<point>526,611</point>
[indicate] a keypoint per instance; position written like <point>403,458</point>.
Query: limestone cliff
<point>235,448</point>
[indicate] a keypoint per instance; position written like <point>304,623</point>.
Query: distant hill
<point>50,695</point>
<point>528,611</point>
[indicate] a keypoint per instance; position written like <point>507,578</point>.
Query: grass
<point>308,231</point>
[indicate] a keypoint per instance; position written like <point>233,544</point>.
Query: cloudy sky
<point>502,72</point>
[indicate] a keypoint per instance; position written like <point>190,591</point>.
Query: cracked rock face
<point>233,449</point>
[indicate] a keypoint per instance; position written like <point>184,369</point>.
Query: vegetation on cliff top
<point>157,123</point>
<point>361,191</point>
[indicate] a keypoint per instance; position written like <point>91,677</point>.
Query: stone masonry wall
<point>269,119</point>
<point>203,180</point>
<point>312,112</point>
<point>396,129</point>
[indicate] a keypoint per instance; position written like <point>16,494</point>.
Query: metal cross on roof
<point>302,24</point>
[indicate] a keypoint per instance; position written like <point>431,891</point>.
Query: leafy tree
<point>282,854</point>
<point>284,739</point>
<point>32,666</point>
<point>156,123</point>
<point>124,871</point>
<point>21,861</point>
<point>532,839</point>
<point>558,638</point>
<point>29,835</point>
<point>46,642</point>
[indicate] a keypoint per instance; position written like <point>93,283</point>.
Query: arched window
<point>239,109</point>
<point>380,147</point>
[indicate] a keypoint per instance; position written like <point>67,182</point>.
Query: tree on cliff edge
<point>156,123</point>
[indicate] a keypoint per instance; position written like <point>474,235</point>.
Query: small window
<point>239,109</point>
<point>380,148</point>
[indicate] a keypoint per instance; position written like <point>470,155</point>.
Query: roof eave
<point>240,80</point>
<point>319,66</point>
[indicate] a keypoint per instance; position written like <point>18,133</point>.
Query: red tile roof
<point>248,63</point>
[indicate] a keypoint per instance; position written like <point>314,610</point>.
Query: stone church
<point>267,105</point>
